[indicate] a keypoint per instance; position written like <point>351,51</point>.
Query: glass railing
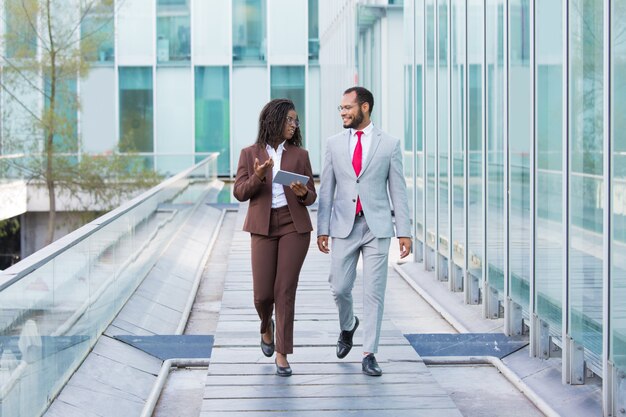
<point>57,302</point>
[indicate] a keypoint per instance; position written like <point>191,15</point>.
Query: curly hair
<point>272,121</point>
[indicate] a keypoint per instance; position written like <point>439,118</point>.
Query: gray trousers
<point>344,257</point>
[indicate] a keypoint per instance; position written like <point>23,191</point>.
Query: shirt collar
<point>281,147</point>
<point>368,129</point>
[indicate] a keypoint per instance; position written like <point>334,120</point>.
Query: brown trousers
<point>276,263</point>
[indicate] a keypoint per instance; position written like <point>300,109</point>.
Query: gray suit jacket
<point>381,178</point>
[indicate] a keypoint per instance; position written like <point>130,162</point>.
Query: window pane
<point>618,186</point>
<point>135,32</point>
<point>213,114</point>
<point>20,38</point>
<point>442,132</point>
<point>457,117</point>
<point>586,168</point>
<point>136,109</point>
<point>314,41</point>
<point>288,82</point>
<point>249,30</point>
<point>408,134</point>
<point>431,127</point>
<point>173,34</point>
<point>475,222</point>
<point>419,121</point>
<point>549,167</point>
<point>519,151</point>
<point>97,34</point>
<point>65,114</point>
<point>495,143</point>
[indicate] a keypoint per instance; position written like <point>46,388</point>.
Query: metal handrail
<point>21,269</point>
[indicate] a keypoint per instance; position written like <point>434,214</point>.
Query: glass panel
<point>174,115</point>
<point>173,31</point>
<point>431,127</point>
<point>495,143</point>
<point>19,36</point>
<point>475,222</point>
<point>314,41</point>
<point>98,109</point>
<point>457,132</point>
<point>288,82</point>
<point>211,21</point>
<point>136,109</point>
<point>549,166</point>
<point>135,32</point>
<point>586,175</point>
<point>289,38</point>
<point>213,114</point>
<point>408,134</point>
<point>519,151</point>
<point>419,121</point>
<point>443,94</point>
<point>97,33</point>
<point>618,186</point>
<point>53,316</point>
<point>249,30</point>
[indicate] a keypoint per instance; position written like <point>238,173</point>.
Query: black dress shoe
<point>344,344</point>
<point>268,348</point>
<point>283,370</point>
<point>370,366</point>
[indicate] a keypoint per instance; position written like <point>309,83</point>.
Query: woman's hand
<point>260,170</point>
<point>299,189</point>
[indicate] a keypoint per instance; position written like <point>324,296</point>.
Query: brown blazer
<point>249,187</point>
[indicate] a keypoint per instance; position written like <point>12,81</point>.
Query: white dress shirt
<point>366,141</point>
<point>278,192</point>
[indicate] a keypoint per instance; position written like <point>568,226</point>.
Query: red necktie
<point>357,159</point>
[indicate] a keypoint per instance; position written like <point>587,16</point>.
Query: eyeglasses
<point>346,108</point>
<point>293,122</point>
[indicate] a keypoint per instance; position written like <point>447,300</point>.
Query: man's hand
<point>405,246</point>
<point>322,243</point>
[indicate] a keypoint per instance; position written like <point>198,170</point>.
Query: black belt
<point>359,214</point>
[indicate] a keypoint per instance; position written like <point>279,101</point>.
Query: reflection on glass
<point>173,31</point>
<point>618,186</point>
<point>249,31</point>
<point>586,175</point>
<point>314,41</point>
<point>442,132</point>
<point>288,82</point>
<point>431,127</point>
<point>519,151</point>
<point>20,38</point>
<point>475,222</point>
<point>408,135</point>
<point>457,132</point>
<point>212,108</point>
<point>419,121</point>
<point>97,34</point>
<point>549,166</point>
<point>495,143</point>
<point>136,109</point>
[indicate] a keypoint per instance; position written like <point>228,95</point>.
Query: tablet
<point>286,178</point>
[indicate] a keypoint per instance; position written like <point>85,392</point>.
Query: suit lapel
<point>376,138</point>
<point>345,152</point>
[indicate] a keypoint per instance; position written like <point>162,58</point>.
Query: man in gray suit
<point>362,172</point>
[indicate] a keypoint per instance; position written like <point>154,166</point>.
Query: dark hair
<point>363,95</point>
<point>272,121</point>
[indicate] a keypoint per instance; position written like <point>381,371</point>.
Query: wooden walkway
<point>241,381</point>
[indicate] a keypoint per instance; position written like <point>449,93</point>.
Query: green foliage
<point>9,227</point>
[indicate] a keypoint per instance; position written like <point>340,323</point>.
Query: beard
<point>356,121</point>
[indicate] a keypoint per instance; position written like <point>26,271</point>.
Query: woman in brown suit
<point>278,222</point>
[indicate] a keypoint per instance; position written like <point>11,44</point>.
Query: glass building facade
<point>173,80</point>
<point>518,168</point>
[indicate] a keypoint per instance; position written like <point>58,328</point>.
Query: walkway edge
<point>430,300</point>
<point>196,282</point>
<point>513,378</point>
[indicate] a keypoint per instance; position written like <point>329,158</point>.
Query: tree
<point>48,45</point>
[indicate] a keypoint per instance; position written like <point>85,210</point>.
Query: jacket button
<point>354,200</point>
<point>357,181</point>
